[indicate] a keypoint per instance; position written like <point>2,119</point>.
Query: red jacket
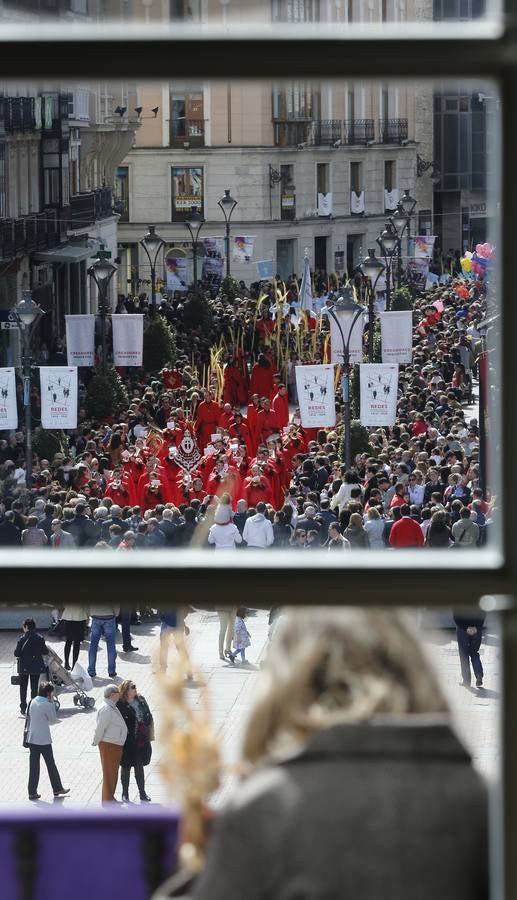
<point>406,533</point>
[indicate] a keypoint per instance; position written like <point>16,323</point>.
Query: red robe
<point>207,420</point>
<point>234,390</point>
<point>254,493</point>
<point>280,407</point>
<point>151,498</point>
<point>262,381</point>
<point>251,417</point>
<point>242,432</point>
<point>168,474</point>
<point>225,419</point>
<point>231,484</point>
<point>121,496</point>
<point>267,424</point>
<point>171,379</point>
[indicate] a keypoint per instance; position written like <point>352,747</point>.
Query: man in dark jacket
<point>469,632</point>
<point>114,519</point>
<point>10,535</point>
<point>82,529</point>
<point>29,652</point>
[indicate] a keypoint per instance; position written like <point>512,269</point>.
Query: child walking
<point>241,636</point>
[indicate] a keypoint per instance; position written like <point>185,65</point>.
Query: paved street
<point>231,690</point>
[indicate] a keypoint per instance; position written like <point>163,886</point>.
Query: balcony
<point>39,231</point>
<point>89,207</point>
<point>393,131</point>
<point>326,132</point>
<point>291,132</point>
<point>187,131</point>
<point>359,131</point>
<point>18,114</point>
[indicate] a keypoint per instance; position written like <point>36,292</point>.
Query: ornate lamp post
<point>372,268</point>
<point>388,242</point>
<point>227,205</point>
<point>27,314</point>
<point>102,271</point>
<point>194,222</point>
<point>152,243</point>
<point>346,304</point>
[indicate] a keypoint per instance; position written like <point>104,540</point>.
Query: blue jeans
<point>107,627</point>
<point>242,653</point>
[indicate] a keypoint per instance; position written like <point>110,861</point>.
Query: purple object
<point>86,854</point>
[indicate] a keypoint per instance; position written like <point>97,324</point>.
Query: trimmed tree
<point>46,443</point>
<point>197,314</point>
<point>360,440</point>
<point>106,395</point>
<point>401,299</point>
<point>159,345</point>
<point>230,287</point>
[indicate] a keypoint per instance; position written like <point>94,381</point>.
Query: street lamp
<point>372,268</point>
<point>408,202</point>
<point>152,243</point>
<point>227,204</point>
<point>194,222</point>
<point>346,304</point>
<point>388,242</point>
<point>102,271</point>
<point>28,314</point>
<point>401,219</point>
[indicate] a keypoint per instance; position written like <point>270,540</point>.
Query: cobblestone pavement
<point>231,691</point>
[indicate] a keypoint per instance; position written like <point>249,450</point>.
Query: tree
<point>401,299</point>
<point>46,443</point>
<point>106,395</point>
<point>360,440</point>
<point>230,287</point>
<point>197,314</point>
<point>159,345</point>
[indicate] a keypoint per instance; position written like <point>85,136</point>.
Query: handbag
<point>25,742</point>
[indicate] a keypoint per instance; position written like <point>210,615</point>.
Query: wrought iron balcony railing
<point>359,131</point>
<point>393,131</point>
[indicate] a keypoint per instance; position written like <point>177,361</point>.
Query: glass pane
<point>300,14</point>
<point>242,182</point>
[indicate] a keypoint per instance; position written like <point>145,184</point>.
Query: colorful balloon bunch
<point>476,264</point>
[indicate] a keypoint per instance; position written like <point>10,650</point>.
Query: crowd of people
<point>228,465</point>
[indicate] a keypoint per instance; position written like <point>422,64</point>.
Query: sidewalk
<point>231,690</point>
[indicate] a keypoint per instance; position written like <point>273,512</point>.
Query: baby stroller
<point>59,676</point>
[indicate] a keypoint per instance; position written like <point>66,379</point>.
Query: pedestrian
<point>33,535</point>
<point>465,532</point>
<point>75,620</point>
<point>241,636</point>
<point>226,616</point>
<point>258,530</point>
<point>356,534</point>
<point>30,652</point>
<point>110,736</point>
<point>104,622</point>
<point>469,633</point>
<point>173,627</point>
<point>137,749</point>
<point>223,534</point>
<point>41,714</point>
<point>349,719</point>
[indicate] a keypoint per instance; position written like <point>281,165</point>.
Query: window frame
<point>484,50</point>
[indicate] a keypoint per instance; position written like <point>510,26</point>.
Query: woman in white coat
<point>223,533</point>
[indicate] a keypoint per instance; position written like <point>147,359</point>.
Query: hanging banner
<point>316,398</point>
<point>397,336</point>
<point>431,280</point>
<point>243,246</point>
<point>187,189</point>
<point>128,339</point>
<point>213,247</point>
<point>356,338</point>
<point>378,388</point>
<point>424,244</point>
<point>357,203</point>
<point>391,198</point>
<point>8,407</point>
<point>417,272</point>
<point>325,204</point>
<point>80,340</point>
<point>176,273</point>
<point>265,269</point>
<point>58,387</point>
<point>212,271</point>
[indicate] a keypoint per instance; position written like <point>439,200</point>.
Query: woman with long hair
<point>357,783</point>
<point>137,749</point>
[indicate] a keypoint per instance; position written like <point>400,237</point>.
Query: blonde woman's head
<point>337,665</point>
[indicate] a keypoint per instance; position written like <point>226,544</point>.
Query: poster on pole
<point>316,397</point>
<point>424,244</point>
<point>397,336</point>
<point>379,388</point>
<point>176,273</point>
<point>356,337</point>
<point>265,269</point>
<point>128,339</point>
<point>58,387</point>
<point>243,246</point>
<point>417,272</point>
<point>8,407</point>
<point>80,340</point>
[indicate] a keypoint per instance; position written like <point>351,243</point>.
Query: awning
<point>68,253</point>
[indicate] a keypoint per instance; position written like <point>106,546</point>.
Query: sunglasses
<point>132,687</point>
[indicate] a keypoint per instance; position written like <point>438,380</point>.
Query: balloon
<point>461,291</point>
<point>477,269</point>
<point>466,264</point>
<point>485,250</point>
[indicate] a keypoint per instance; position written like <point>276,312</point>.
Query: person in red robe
<point>226,417</point>
<point>264,327</point>
<point>153,494</point>
<point>194,490</point>
<point>267,422</point>
<point>262,378</point>
<point>168,473</point>
<point>121,492</point>
<point>280,406</point>
<point>171,378</point>
<point>225,479</point>
<point>207,419</point>
<point>256,487</point>
<point>251,418</point>
<point>239,431</point>
<point>234,388</point>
